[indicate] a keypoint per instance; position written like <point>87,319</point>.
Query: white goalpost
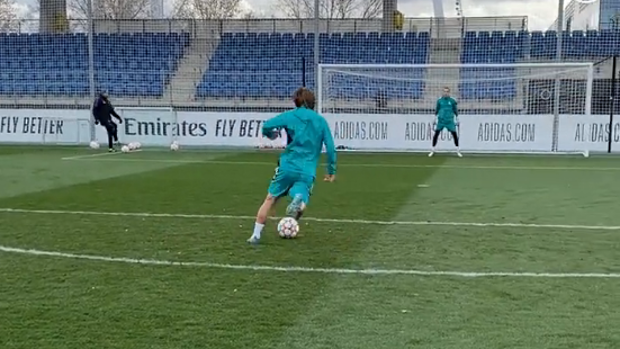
<point>151,126</point>
<point>503,108</point>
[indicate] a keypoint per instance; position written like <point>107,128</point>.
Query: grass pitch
<point>147,250</point>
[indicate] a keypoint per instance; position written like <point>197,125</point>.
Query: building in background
<point>599,15</point>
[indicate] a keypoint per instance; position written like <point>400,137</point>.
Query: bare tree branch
<point>207,9</point>
<point>104,9</point>
<point>252,15</point>
<point>110,9</point>
<point>332,9</point>
<point>372,9</point>
<point>8,17</point>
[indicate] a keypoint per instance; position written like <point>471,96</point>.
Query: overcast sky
<point>541,13</point>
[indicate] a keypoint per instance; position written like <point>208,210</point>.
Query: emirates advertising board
<point>501,133</point>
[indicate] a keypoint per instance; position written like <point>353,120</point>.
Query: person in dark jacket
<point>103,112</point>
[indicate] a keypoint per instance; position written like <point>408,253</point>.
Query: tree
<point>8,17</point>
<point>110,9</point>
<point>332,9</point>
<point>207,9</point>
<point>103,9</point>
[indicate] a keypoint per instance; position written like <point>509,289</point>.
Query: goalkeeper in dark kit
<point>103,112</point>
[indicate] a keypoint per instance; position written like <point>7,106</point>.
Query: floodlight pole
<point>558,81</point>
<point>91,67</point>
<point>317,30</point>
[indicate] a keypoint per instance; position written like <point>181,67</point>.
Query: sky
<point>541,13</point>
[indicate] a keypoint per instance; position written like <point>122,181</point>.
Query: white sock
<point>258,228</point>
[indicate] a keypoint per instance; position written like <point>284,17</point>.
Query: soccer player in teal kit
<point>447,114</point>
<point>307,132</point>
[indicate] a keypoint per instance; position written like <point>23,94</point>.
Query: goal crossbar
<point>459,65</point>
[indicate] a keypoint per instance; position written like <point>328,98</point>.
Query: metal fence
<point>39,71</point>
<point>435,26</point>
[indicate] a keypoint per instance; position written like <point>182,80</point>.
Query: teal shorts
<point>291,183</point>
<point>450,126</point>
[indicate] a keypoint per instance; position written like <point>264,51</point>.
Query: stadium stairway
<point>182,86</point>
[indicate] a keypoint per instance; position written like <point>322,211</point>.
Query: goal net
<point>151,126</point>
<point>502,107</point>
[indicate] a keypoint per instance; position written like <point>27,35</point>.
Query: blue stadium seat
<point>487,83</point>
<point>57,64</point>
<point>272,76</point>
<point>250,64</point>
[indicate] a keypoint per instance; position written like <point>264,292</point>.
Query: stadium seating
<point>270,65</point>
<point>488,48</point>
<point>57,65</point>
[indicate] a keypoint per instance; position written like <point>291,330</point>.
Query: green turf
<point>57,302</point>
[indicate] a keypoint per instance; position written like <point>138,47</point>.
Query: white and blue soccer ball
<point>125,149</point>
<point>174,146</point>
<point>132,146</point>
<point>94,145</point>
<point>288,228</point>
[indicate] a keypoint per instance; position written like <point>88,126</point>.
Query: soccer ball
<point>138,145</point>
<point>94,145</point>
<point>132,146</point>
<point>174,146</point>
<point>288,228</point>
<point>125,149</point>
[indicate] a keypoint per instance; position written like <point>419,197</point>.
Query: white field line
<point>96,155</point>
<point>378,165</point>
<point>290,269</point>
<point>314,219</point>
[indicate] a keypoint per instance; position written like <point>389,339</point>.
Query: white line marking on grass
<point>155,262</point>
<point>96,155</point>
<point>379,165</point>
<point>315,219</point>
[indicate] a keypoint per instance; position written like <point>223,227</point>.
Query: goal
<point>502,107</point>
<point>151,126</point>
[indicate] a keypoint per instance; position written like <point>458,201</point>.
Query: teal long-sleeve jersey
<point>446,109</point>
<point>307,132</point>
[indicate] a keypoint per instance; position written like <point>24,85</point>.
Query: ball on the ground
<point>125,149</point>
<point>132,146</point>
<point>174,146</point>
<point>138,145</point>
<point>94,145</point>
<point>288,228</point>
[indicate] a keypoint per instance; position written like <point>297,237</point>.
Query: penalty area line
<point>292,269</point>
<point>316,219</point>
<point>96,155</point>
